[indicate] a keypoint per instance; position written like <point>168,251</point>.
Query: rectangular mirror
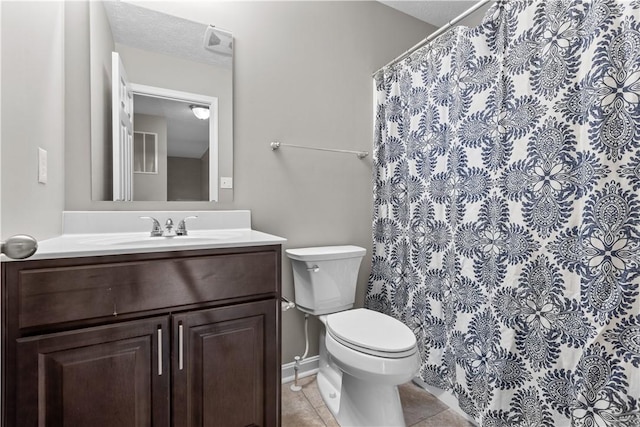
<point>153,75</point>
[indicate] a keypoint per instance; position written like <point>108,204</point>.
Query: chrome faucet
<point>168,229</point>
<point>182,226</point>
<point>156,230</point>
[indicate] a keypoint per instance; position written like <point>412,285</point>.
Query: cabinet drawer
<point>64,294</point>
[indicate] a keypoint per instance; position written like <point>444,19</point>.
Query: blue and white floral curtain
<point>506,228</point>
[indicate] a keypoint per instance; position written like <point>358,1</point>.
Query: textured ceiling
<point>147,29</point>
<point>435,12</point>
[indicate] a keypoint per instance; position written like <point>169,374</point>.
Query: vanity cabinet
<point>104,377</point>
<point>184,339</point>
<point>206,391</point>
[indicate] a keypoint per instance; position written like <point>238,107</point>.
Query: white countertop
<point>92,234</point>
<point>83,245</point>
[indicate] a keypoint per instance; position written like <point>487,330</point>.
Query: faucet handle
<point>182,225</point>
<point>156,230</point>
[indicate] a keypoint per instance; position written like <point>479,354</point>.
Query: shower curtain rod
<point>361,154</point>
<point>435,34</point>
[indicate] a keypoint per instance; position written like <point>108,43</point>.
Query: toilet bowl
<point>373,353</point>
<point>364,355</point>
<point>371,346</point>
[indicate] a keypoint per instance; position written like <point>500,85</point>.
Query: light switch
<point>226,182</point>
<point>42,165</point>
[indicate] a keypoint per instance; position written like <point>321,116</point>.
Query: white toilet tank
<point>325,278</point>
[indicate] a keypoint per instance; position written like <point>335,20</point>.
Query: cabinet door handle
<point>159,350</point>
<point>180,346</point>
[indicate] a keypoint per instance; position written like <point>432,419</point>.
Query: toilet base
<point>365,404</point>
<point>354,402</point>
<point>329,384</point>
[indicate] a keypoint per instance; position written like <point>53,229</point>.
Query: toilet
<point>364,355</point>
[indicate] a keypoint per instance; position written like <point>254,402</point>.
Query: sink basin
<point>138,239</point>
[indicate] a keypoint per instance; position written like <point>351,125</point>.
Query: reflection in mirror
<point>172,64</point>
<point>172,145</point>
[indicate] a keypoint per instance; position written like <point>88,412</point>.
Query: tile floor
<point>305,408</point>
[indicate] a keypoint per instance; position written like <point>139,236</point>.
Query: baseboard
<point>445,397</point>
<point>308,366</point>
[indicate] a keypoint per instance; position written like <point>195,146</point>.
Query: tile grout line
<point>314,408</point>
<point>430,416</point>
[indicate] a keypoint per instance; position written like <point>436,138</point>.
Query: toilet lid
<point>372,333</point>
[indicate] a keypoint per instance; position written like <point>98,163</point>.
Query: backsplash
<point>83,222</point>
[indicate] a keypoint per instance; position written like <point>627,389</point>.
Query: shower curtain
<point>506,229</point>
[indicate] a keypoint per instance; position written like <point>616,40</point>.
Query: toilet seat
<point>372,333</point>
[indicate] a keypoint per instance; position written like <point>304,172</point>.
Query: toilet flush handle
<point>315,268</point>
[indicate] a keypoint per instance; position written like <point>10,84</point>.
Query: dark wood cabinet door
<point>113,375</point>
<point>226,367</point>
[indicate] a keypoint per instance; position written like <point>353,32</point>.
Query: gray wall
<point>476,17</point>
<point>184,178</point>
<point>33,95</point>
<point>302,76</point>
